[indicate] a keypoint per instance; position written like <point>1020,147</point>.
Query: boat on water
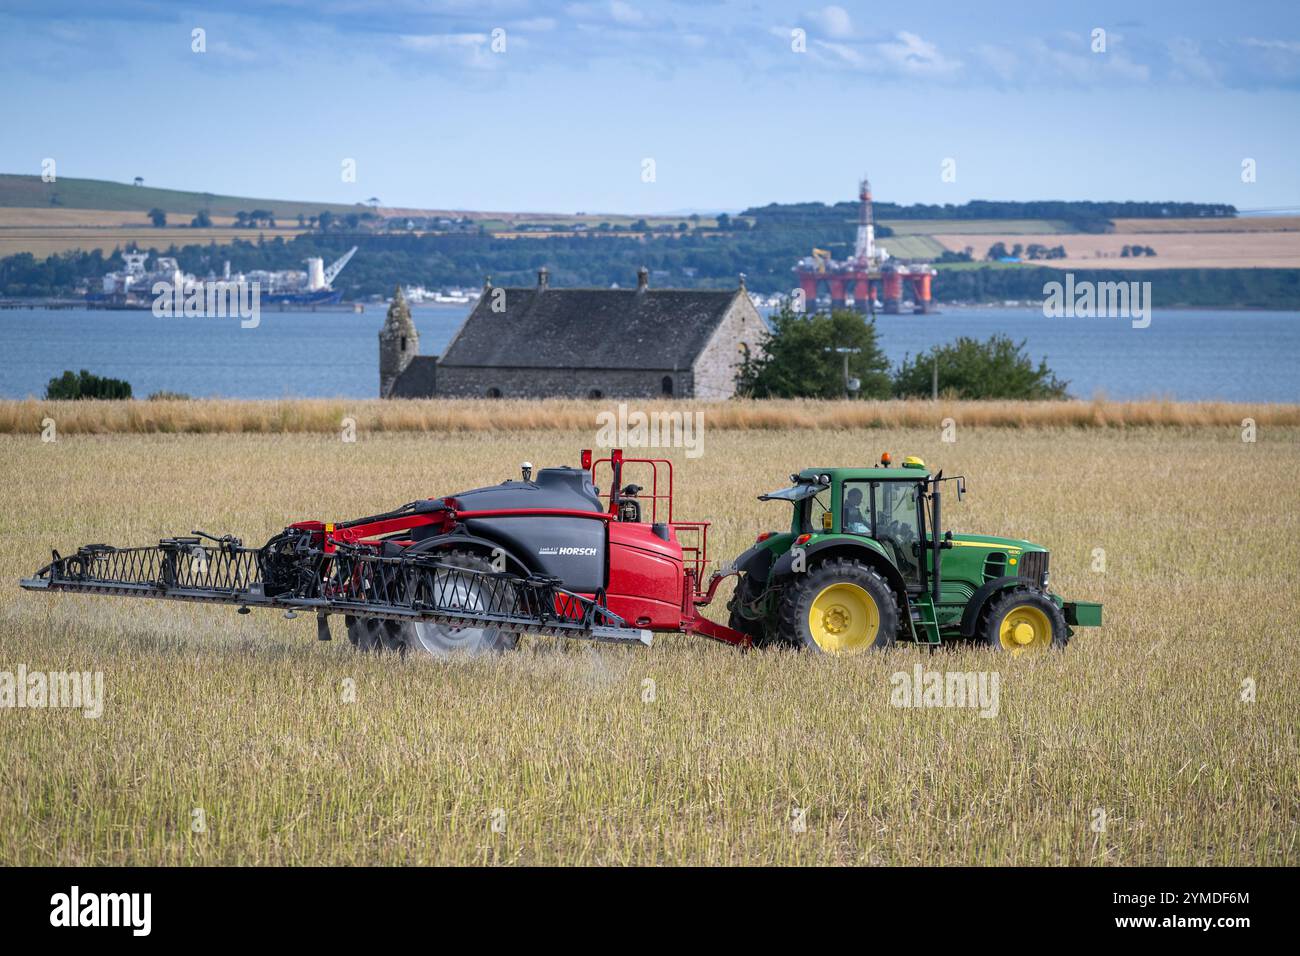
<point>132,287</point>
<point>419,295</point>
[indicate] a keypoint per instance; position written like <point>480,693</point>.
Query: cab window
<point>888,512</point>
<point>898,524</point>
<point>855,508</point>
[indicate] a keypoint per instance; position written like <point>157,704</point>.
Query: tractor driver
<point>855,522</point>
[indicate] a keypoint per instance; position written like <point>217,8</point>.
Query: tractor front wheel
<point>841,607</point>
<point>1021,621</point>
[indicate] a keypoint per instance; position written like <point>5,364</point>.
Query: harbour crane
<point>322,278</point>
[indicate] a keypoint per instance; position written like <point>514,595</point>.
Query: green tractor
<point>865,564</point>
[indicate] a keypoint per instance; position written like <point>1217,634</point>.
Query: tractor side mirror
<point>961,487</point>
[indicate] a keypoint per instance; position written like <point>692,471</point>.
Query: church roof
<point>417,379</point>
<point>542,327</point>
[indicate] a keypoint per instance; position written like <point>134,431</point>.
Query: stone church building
<point>543,342</point>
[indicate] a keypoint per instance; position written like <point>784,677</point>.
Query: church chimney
<point>642,279</point>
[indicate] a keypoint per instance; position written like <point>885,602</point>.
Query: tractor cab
<point>889,507</point>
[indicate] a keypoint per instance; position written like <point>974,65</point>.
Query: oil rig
<point>870,277</point>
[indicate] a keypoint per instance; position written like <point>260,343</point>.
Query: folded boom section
<point>291,573</point>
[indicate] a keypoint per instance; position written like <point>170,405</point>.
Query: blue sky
<point>716,93</point>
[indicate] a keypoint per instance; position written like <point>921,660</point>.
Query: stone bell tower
<point>399,342</point>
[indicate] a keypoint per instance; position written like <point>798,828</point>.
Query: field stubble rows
<point>765,757</point>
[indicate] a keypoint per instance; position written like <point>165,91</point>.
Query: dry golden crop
<point>1140,744</point>
<point>324,416</point>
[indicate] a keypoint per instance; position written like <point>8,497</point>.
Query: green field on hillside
<point>942,227</point>
<point>31,192</point>
<point>912,247</point>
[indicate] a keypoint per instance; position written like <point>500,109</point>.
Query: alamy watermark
<point>1104,300</point>
<point>74,690</point>
<point>131,911</point>
<point>921,688</point>
<point>209,300</point>
<point>638,429</point>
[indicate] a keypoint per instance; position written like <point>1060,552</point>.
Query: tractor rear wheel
<point>841,607</point>
<point>1021,621</point>
<point>467,591</point>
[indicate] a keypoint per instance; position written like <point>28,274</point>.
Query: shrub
<point>800,358</point>
<point>72,386</point>
<point>970,369</point>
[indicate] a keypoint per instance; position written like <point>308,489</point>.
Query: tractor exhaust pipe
<point>937,544</point>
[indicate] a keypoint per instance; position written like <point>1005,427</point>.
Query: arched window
<point>595,393</point>
<point>403,343</point>
<point>494,393</point>
<point>666,386</point>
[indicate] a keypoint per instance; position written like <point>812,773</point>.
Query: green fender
<point>970,617</point>
<point>866,550</point>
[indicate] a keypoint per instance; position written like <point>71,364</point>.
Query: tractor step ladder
<point>925,624</point>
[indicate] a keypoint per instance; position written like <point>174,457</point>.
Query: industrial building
<point>868,277</point>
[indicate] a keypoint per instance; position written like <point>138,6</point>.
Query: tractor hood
<point>994,543</point>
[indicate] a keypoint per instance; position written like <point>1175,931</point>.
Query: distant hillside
<point>1072,216</point>
<point>31,192</point>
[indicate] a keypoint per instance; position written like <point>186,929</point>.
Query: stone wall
<point>715,369</point>
<point>467,382</point>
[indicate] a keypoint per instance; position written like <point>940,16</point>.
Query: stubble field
<point>1141,744</point>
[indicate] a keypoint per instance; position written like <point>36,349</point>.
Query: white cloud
<point>625,13</point>
<point>222,48</point>
<point>844,53</point>
<point>905,55</point>
<point>1285,46</point>
<point>615,11</point>
<point>1003,63</point>
<point>832,21</point>
<point>535,25</point>
<point>911,54</point>
<point>442,41</point>
<point>1271,60</point>
<point>1187,57</point>
<point>469,51</point>
<point>1067,60</point>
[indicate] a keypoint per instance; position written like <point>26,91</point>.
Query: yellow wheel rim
<point>1025,628</point>
<point>844,619</point>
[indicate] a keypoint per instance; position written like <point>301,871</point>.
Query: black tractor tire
<point>439,640</point>
<point>855,609</point>
<point>373,635</point>
<point>754,629</point>
<point>1026,612</point>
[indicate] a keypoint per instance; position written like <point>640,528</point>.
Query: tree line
<point>1077,212</point>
